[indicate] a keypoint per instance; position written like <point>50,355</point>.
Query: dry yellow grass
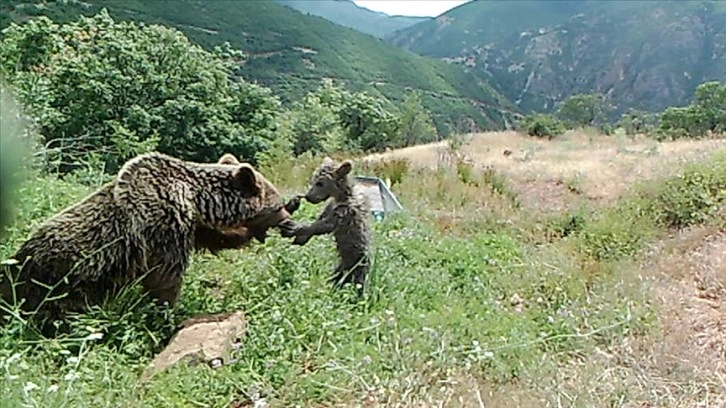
<point>550,172</point>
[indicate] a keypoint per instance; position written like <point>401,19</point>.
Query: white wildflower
<point>13,358</point>
<point>94,336</point>
<point>29,386</point>
<point>53,388</point>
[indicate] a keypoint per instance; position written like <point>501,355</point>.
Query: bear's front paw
<point>260,236</point>
<point>293,205</point>
<point>288,229</point>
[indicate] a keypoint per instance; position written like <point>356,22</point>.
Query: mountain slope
<point>348,14</point>
<point>291,53</point>
<point>644,54</point>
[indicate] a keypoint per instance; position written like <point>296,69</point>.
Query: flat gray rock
<point>202,340</point>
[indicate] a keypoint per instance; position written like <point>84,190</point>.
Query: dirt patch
<point>548,196</point>
<point>691,289</point>
<point>684,363</point>
<point>681,364</point>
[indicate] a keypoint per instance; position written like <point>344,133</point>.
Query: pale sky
<point>422,8</point>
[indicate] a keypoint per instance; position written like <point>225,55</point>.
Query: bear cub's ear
<point>245,180</point>
<point>344,168</point>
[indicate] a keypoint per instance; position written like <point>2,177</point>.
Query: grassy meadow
<point>583,272</point>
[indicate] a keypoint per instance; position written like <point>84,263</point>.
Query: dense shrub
<point>543,126</point>
<point>638,122</point>
<point>584,110</point>
<point>332,118</point>
<point>693,196</point>
<point>313,126</point>
<point>706,114</point>
<point>417,126</point>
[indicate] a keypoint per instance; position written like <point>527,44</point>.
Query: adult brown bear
<point>144,224</point>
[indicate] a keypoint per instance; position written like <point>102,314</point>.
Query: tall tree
<point>584,110</point>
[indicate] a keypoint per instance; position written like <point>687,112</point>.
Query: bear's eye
<point>319,184</point>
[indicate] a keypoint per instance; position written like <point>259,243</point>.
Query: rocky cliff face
<point>647,55</point>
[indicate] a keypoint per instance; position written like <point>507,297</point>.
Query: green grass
<point>450,297</point>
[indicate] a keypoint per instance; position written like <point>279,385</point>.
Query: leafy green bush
<point>694,196</point>
<point>706,114</point>
<point>613,237</point>
<point>119,89</point>
<point>563,225</point>
<point>313,127</point>
<point>584,110</point>
<point>638,122</point>
<point>466,172</point>
<point>543,126</point>
<point>679,123</point>
<point>369,124</point>
<point>416,124</point>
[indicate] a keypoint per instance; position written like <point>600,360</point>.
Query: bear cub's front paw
<point>301,239</point>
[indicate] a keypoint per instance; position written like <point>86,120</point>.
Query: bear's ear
<point>344,168</point>
<point>228,158</point>
<point>245,180</point>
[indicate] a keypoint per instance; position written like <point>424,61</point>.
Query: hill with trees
<point>642,54</point>
<point>292,53</point>
<point>349,14</point>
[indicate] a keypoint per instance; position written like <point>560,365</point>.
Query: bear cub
<point>346,216</point>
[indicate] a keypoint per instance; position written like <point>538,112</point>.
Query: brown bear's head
<point>260,199</point>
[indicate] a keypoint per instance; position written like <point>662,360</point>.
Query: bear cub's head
<point>329,180</point>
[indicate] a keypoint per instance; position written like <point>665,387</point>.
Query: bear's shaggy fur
<point>144,224</point>
<point>347,217</point>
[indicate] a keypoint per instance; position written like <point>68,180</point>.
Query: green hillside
<point>347,13</point>
<point>643,54</point>
<point>292,52</point>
